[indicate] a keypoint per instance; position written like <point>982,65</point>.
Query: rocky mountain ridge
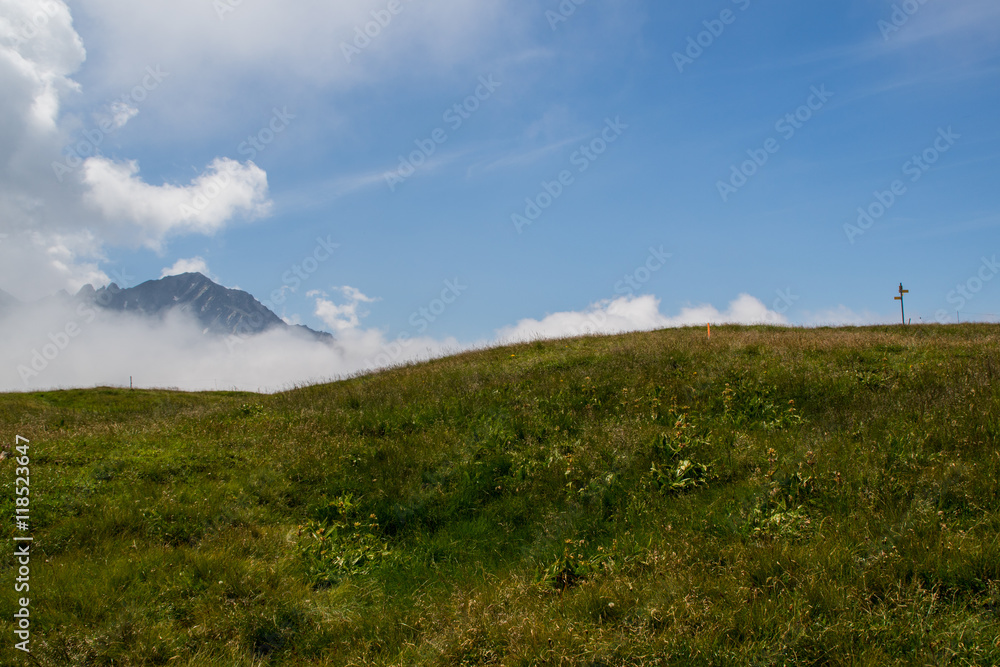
<point>219,310</point>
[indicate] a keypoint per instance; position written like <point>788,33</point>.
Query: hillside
<point>770,496</point>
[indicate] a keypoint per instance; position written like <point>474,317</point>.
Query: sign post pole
<point>899,298</point>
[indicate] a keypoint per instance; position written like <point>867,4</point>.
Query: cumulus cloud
<point>640,313</point>
<point>149,213</point>
<point>59,214</point>
<point>119,113</point>
<point>341,317</point>
<point>39,53</point>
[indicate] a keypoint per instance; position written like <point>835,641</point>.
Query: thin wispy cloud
<point>520,158</point>
<point>942,22</point>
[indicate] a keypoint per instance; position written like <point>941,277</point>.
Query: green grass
<point>767,497</point>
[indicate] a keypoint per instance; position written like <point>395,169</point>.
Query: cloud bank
<point>63,344</point>
<point>637,314</point>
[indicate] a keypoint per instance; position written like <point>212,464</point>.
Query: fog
<point>62,343</point>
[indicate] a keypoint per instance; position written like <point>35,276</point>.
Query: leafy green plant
<point>685,476</point>
<point>250,410</point>
<point>750,403</point>
<point>337,547</point>
<point>574,566</point>
<point>671,470</point>
<point>781,508</point>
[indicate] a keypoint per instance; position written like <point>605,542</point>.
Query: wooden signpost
<point>900,300</point>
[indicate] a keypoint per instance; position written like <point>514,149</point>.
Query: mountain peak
<point>220,310</point>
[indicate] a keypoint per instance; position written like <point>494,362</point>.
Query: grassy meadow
<point>770,496</point>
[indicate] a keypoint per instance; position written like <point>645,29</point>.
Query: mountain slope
<point>769,496</point>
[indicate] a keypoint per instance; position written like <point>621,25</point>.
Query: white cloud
<point>104,348</point>
<point>192,265</point>
<point>637,314</point>
<point>40,50</point>
<point>58,228</point>
<point>35,265</point>
<point>119,113</point>
<point>107,348</point>
<point>46,247</point>
<point>341,317</point>
<point>147,214</point>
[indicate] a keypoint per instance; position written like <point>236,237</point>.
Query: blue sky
<point>895,81</point>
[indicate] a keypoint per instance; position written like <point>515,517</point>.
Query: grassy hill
<point>767,497</point>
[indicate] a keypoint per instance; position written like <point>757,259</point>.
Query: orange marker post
<point>709,329</point>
